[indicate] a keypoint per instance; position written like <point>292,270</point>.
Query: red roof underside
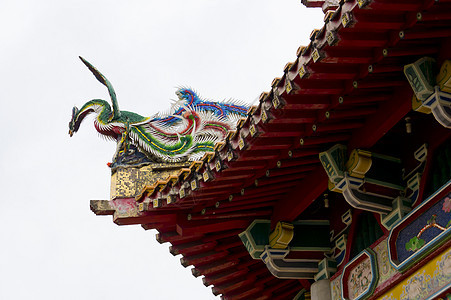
<point>353,94</point>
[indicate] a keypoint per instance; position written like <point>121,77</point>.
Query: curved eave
<point>346,86</point>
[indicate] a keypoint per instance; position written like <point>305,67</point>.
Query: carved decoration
<point>433,279</point>
<point>368,181</point>
<point>186,132</point>
<point>431,94</point>
<point>284,268</point>
<point>422,230</point>
<point>281,236</point>
<point>360,276</point>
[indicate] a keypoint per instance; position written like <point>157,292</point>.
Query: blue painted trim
<point>373,260</point>
<point>340,257</point>
<point>433,243</point>
<point>443,289</point>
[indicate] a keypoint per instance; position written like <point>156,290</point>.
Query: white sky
<point>52,245</point>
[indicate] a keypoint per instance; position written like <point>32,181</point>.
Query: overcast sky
<point>52,246</point>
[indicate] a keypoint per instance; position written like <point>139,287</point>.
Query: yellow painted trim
<point>444,77</point>
<point>420,285</point>
<point>359,163</point>
<point>281,236</point>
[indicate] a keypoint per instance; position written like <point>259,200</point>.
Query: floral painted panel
<point>384,267</point>
<point>359,279</point>
<point>335,287</point>
<point>129,182</point>
<point>428,226</point>
<point>426,283</point>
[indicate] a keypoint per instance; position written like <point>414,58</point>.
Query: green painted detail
<point>106,82</point>
<point>206,146</point>
<point>302,295</point>
<point>414,244</point>
<point>401,206</point>
<point>385,184</point>
<point>386,157</point>
<point>311,235</point>
<point>191,128</point>
<point>256,237</point>
<point>367,232</point>
<point>385,171</point>
<point>389,221</point>
<point>441,168</point>
<point>184,143</point>
<point>333,161</point>
<point>420,75</point>
<point>106,114</point>
<point>326,268</point>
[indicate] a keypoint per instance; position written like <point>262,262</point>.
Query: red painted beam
<point>255,155</point>
<point>305,283</point>
<point>160,227</point>
<point>237,204</point>
<point>252,191</point>
<point>225,277</point>
<point>368,20</point>
<point>338,126</point>
<point>280,179</point>
<point>289,170</point>
<point>396,6</point>
<point>321,104</point>
<point>299,161</point>
<point>214,268</point>
<point>287,293</point>
<point>185,227</point>
<point>389,113</point>
<point>373,98</point>
<point>237,284</point>
<point>288,208</point>
<point>308,141</point>
<point>250,214</point>
<point>248,294</point>
<point>221,210</point>
<point>351,113</point>
<point>278,285</point>
<point>175,239</point>
<point>272,147</point>
<point>222,235</point>
<point>300,197</point>
<point>303,152</point>
<point>192,248</point>
<point>203,258</point>
<point>148,217</point>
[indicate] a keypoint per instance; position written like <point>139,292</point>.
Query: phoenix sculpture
<point>189,129</point>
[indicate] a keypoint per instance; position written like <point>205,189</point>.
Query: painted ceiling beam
<point>203,258</point>
<point>250,215</point>
<point>224,277</point>
<point>232,286</point>
<point>280,179</point>
<point>240,208</point>
<point>185,227</point>
<point>280,285</point>
<point>300,197</point>
<point>214,268</point>
<point>381,122</point>
<point>145,217</point>
<point>252,293</point>
<point>192,248</point>
<point>175,239</point>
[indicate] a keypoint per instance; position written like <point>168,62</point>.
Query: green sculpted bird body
<point>186,133</point>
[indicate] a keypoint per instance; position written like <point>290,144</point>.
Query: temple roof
<point>346,86</point>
